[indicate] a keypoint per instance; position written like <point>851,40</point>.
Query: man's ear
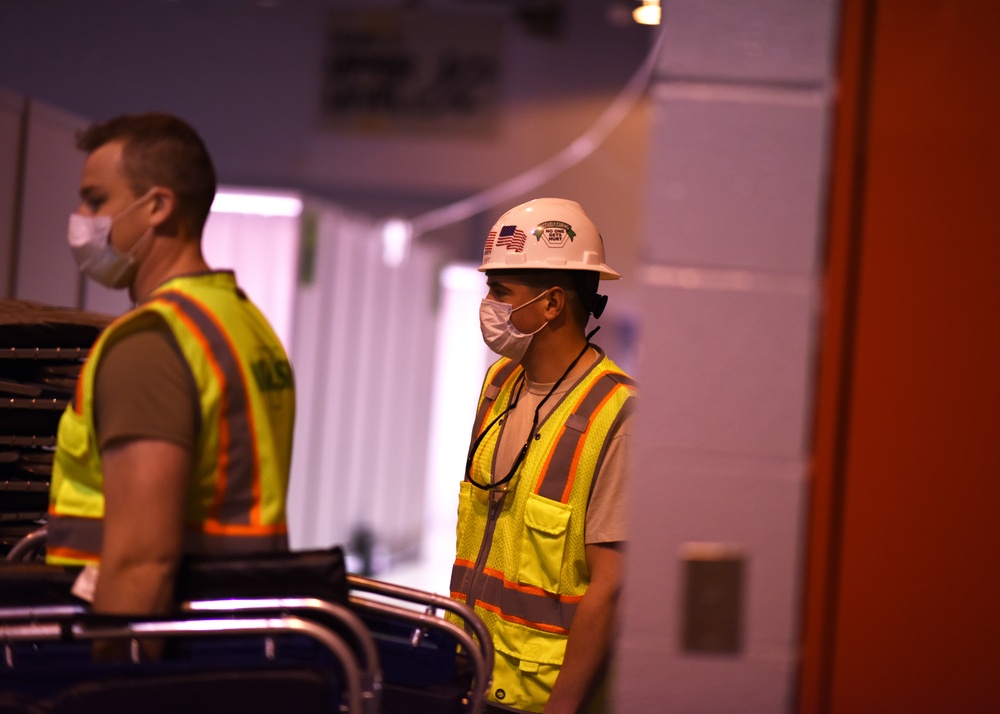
<point>555,301</point>
<point>164,202</point>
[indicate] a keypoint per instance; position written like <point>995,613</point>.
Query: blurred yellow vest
<point>236,497</point>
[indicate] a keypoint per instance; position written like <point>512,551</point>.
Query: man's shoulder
<point>501,370</point>
<point>143,340</point>
<point>608,369</point>
<point>133,325</point>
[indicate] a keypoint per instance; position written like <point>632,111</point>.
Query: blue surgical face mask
<point>90,243</point>
<point>499,332</point>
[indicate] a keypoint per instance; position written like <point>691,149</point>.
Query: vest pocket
<point>72,434</point>
<point>527,665</point>
<point>76,473</point>
<point>543,542</point>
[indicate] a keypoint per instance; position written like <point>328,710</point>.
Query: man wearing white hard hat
<point>542,507</point>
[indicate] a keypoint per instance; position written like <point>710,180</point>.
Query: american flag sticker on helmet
<point>509,237</point>
<point>512,238</point>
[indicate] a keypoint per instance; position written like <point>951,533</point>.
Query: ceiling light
<point>648,13</point>
<point>258,203</point>
<point>396,236</point>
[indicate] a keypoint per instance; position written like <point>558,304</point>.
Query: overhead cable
<point>573,154</point>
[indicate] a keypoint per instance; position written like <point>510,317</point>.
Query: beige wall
<point>11,114</point>
<point>733,234</point>
<point>38,191</point>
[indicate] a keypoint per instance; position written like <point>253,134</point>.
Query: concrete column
<point>731,260</point>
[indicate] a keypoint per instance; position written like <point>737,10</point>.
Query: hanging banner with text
<point>411,70</point>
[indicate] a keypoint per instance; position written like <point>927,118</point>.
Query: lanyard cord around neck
<point>519,387</point>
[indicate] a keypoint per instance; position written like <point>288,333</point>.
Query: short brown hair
<point>580,285</point>
<point>161,150</point>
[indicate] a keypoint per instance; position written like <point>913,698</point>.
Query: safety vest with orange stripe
<point>520,556</point>
<point>236,495</point>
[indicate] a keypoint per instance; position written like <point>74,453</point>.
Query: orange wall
<point>903,590</point>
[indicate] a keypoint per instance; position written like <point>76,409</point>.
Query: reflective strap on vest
<point>84,537</point>
<point>238,466</point>
<point>87,534</point>
<point>491,393</point>
<point>556,480</point>
<point>524,604</point>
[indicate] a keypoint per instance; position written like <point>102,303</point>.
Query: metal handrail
<point>421,597</point>
<point>29,544</point>
<point>481,653</point>
<point>372,671</point>
<point>287,624</point>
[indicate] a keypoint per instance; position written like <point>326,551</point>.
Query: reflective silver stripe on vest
<point>541,611</point>
<point>552,483</point>
<point>490,395</point>
<point>87,535</point>
<point>237,460</point>
<point>81,534</point>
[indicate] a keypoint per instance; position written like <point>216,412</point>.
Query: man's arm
<point>146,414</point>
<point>145,482</point>
<point>592,631</point>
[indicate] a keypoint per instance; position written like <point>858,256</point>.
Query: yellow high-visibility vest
<point>236,495</point>
<point>520,558</point>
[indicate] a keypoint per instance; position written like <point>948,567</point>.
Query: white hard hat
<point>547,234</point>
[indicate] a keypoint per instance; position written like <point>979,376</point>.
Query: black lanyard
<point>531,433</point>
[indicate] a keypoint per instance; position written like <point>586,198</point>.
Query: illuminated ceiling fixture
<point>396,237</point>
<point>258,203</point>
<point>648,13</point>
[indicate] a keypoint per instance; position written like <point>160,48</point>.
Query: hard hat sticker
<point>554,233</point>
<point>509,237</point>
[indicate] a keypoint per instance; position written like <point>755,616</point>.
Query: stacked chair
<point>41,351</point>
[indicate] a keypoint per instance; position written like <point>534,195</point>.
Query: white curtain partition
<point>363,344</point>
<point>360,332</point>
<point>263,250</point>
<point>461,361</point>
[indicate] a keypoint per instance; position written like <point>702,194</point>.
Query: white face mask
<point>499,332</point>
<point>90,242</point>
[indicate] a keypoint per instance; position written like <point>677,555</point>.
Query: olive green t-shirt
<point>144,389</point>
